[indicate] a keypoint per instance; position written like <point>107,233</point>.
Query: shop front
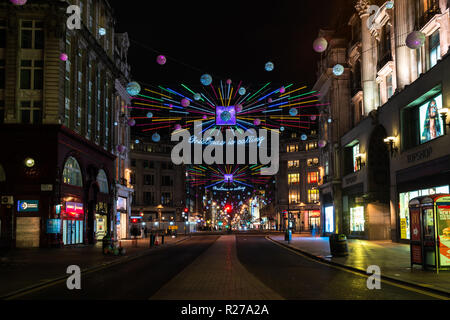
<point>73,228</point>
<point>28,224</point>
<point>122,218</point>
<point>101,220</point>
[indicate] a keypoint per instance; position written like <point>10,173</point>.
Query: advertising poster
<point>431,124</point>
<point>443,229</point>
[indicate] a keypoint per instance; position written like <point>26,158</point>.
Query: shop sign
<point>53,226</point>
<point>420,155</point>
<point>74,209</point>
<point>46,187</point>
<point>28,206</point>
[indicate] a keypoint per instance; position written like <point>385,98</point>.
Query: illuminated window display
<point>405,198</point>
<point>329,219</point>
<point>431,124</point>
<point>357,219</point>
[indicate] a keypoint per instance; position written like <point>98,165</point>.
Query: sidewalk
<point>393,259</point>
<point>24,268</point>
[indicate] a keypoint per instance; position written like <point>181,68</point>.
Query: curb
<point>88,270</point>
<point>320,259</point>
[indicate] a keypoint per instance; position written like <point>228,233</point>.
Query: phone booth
<point>430,231</point>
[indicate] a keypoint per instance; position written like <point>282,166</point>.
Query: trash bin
<point>338,245</point>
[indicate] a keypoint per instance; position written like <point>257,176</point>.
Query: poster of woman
<point>430,119</point>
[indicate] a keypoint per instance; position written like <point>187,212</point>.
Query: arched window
<point>72,173</point>
<point>2,174</point>
<point>102,181</point>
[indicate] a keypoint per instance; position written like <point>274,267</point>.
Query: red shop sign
<point>74,210</point>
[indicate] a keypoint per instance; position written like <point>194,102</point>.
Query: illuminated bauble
<point>18,2</point>
<point>156,137</point>
<point>269,100</point>
<point>178,127</point>
<point>229,81</point>
<point>161,60</point>
<point>269,66</point>
<point>389,4</point>
<point>415,40</point>
<point>102,31</point>
<point>185,102</point>
<point>204,117</point>
<point>282,90</point>
<point>320,44</point>
<point>313,118</point>
<point>304,137</point>
<point>293,112</point>
<point>131,122</point>
<point>322,144</point>
<point>63,57</point>
<point>257,122</point>
<point>197,96</point>
<point>282,129</point>
<point>242,91</point>
<point>330,120</point>
<point>238,108</point>
<point>149,115</point>
<point>121,148</point>
<point>133,88</point>
<point>206,79</point>
<point>225,116</point>
<point>338,70</point>
<point>137,141</point>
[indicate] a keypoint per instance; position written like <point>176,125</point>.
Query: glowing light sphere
<point>137,141</point>
<point>415,40</point>
<point>18,2</point>
<point>133,88</point>
<point>63,57</point>
<point>313,118</point>
<point>257,122</point>
<point>229,81</point>
<point>102,31</point>
<point>338,70</point>
<point>322,144</point>
<point>389,4</point>
<point>149,115</point>
<point>242,91</point>
<point>239,108</point>
<point>320,45</point>
<point>282,90</point>
<point>161,60</point>
<point>204,117</point>
<point>269,66</point>
<point>293,112</point>
<point>121,148</point>
<point>131,122</point>
<point>156,137</point>
<point>185,102</point>
<point>304,137</point>
<point>269,100</point>
<point>178,127</point>
<point>206,79</point>
<point>197,96</point>
<point>330,120</point>
<point>282,129</point>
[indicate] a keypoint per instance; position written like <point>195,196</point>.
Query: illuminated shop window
<point>292,148</point>
<point>294,196</point>
<point>357,219</point>
<point>294,164</point>
<point>72,173</point>
<point>102,181</point>
<point>294,178</point>
<point>313,162</point>
<point>313,177</point>
<point>355,153</point>
<point>313,195</point>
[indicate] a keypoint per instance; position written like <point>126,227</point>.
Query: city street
<point>230,267</point>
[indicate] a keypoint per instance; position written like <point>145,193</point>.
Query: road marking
<point>434,295</point>
<point>94,269</point>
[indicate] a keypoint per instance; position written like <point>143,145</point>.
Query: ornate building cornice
<point>362,7</point>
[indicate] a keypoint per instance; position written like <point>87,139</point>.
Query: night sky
<point>228,39</point>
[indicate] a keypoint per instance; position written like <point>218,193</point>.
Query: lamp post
<point>390,141</point>
<point>444,113</point>
<point>160,207</point>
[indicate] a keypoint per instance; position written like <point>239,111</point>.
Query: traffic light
<point>285,213</point>
<point>186,210</point>
<point>134,220</point>
<point>227,208</point>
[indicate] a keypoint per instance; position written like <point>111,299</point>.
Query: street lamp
<point>444,113</point>
<point>159,208</point>
<point>390,141</point>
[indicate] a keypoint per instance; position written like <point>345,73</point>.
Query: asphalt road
<point>290,275</point>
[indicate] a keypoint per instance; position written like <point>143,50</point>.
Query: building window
<point>293,178</point>
<point>32,34</point>
<point>435,49</point>
<point>355,153</point>
<point>292,148</point>
<point>311,146</point>
<point>313,195</point>
<point>31,74</point>
<point>294,164</point>
<point>389,87</point>
<point>166,181</point>
<point>31,112</point>
<point>149,180</point>
<point>419,61</point>
<point>102,181</point>
<point>312,162</point>
<point>133,163</point>
<point>72,173</point>
<point>166,198</point>
<point>149,198</point>
<point>313,177</point>
<point>357,219</point>
<point>294,196</point>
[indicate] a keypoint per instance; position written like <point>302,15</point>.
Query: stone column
<point>368,61</point>
<point>402,27</point>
